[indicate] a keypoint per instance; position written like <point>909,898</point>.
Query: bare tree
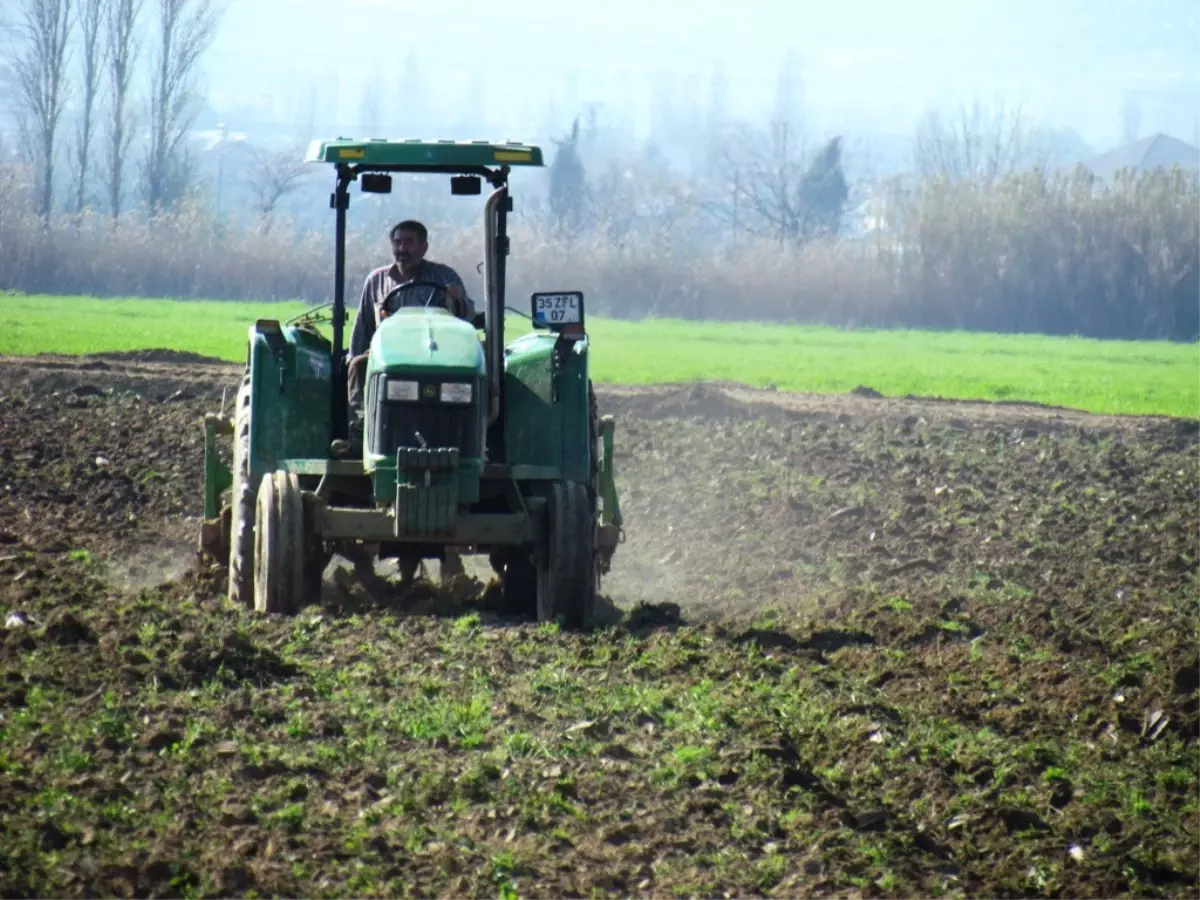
<point>789,92</point>
<point>93,51</point>
<point>714,117</point>
<point>624,195</point>
<point>974,145</point>
<point>568,184</point>
<point>762,175</point>
<point>40,67</point>
<point>1131,119</point>
<point>8,91</point>
<point>369,101</point>
<point>8,78</point>
<point>411,92</point>
<point>186,29</point>
<point>772,186</point>
<point>121,18</point>
<point>718,97</point>
<point>274,176</point>
<point>304,101</point>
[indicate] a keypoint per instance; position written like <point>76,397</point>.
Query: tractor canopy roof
<point>414,154</point>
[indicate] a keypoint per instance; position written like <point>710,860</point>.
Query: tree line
<point>88,53</point>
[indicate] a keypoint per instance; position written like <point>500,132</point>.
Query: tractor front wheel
<point>566,571</point>
<point>279,580</point>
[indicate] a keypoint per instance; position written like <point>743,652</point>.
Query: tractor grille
<point>397,422</point>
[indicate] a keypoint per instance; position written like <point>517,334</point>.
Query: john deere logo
<point>429,391</point>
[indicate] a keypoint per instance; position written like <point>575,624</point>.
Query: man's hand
<point>455,295</point>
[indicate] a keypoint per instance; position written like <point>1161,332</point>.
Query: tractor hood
<point>426,338</point>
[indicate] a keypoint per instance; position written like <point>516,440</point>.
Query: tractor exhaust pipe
<point>340,201</point>
<point>495,218</point>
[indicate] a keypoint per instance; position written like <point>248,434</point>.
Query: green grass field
<point>1125,377</point>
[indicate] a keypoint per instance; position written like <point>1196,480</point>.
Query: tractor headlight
<point>456,392</point>
<point>401,390</point>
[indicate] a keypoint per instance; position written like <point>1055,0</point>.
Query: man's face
<point>408,249</point>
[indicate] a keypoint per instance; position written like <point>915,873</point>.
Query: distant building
<point>1146,155</point>
<point>224,159</point>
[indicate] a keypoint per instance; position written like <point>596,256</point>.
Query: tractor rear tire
<point>279,581</point>
<point>566,573</point>
<point>242,511</point>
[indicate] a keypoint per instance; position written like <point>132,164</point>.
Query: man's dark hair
<point>410,225</point>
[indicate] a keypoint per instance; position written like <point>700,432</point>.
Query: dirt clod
<point>1187,679</point>
<point>64,628</point>
<point>50,838</point>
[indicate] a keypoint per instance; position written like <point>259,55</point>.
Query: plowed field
<point>857,647</point>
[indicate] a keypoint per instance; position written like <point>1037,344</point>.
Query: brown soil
<point>865,647</point>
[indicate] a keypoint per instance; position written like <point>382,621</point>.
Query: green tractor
<point>469,443</point>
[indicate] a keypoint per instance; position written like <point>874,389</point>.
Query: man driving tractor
<point>410,242</point>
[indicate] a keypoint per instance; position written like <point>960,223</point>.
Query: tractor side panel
<point>546,423</point>
<point>291,378</point>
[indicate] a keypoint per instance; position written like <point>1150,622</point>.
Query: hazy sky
<point>867,65</point>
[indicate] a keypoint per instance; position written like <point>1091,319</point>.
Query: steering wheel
<point>438,289</point>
